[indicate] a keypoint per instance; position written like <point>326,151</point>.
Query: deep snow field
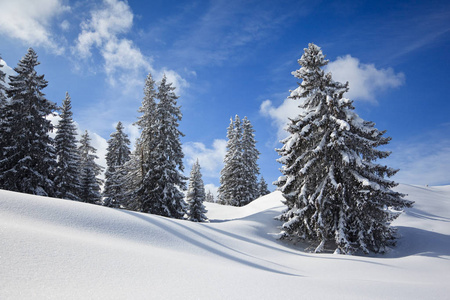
<point>59,249</point>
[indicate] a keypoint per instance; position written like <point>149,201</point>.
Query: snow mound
<point>53,249</point>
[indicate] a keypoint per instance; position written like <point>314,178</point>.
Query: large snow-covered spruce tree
<point>67,179</point>
<point>162,185</point>
<point>27,157</point>
<point>196,195</point>
<point>89,170</point>
<point>118,153</point>
<point>333,188</point>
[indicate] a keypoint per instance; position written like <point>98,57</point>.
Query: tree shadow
<point>238,256</point>
<point>415,241</point>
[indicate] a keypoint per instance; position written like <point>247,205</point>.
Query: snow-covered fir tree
<point>238,178</point>
<point>333,188</point>
<point>262,187</point>
<point>196,195</point>
<point>2,89</point>
<point>89,170</point>
<point>27,157</point>
<point>250,157</point>
<point>137,167</point>
<point>67,180</point>
<point>118,153</point>
<point>162,185</point>
<point>133,179</point>
<point>232,182</point>
<point>209,197</point>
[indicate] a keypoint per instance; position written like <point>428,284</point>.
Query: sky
<point>230,58</point>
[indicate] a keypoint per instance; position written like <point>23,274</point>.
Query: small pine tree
<point>196,195</point>
<point>118,153</point>
<point>89,170</point>
<point>232,181</point>
<point>133,179</point>
<point>333,189</point>
<point>67,178</point>
<point>238,178</point>
<point>262,187</point>
<point>27,157</point>
<point>250,157</point>
<point>209,197</point>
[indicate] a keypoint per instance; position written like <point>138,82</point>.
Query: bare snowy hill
<point>58,249</point>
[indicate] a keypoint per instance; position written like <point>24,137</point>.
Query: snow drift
<point>53,249</point>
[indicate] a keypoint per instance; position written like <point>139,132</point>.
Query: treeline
<point>150,179</point>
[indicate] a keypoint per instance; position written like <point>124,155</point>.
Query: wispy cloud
<point>421,30</point>
<point>226,28</point>
<point>30,21</point>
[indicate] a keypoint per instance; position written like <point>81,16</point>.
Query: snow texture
<point>60,249</point>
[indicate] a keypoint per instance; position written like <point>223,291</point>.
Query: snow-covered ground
<point>58,249</point>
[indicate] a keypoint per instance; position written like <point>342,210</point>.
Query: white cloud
<point>179,82</point>
<point>120,55</point>
<point>123,60</point>
<point>65,25</point>
<point>101,145</point>
<point>30,21</point>
<point>105,24</point>
<point>210,159</point>
<point>365,80</point>
<point>132,132</point>
<point>213,189</point>
<point>280,115</point>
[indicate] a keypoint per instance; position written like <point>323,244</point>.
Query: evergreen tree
<point>133,179</point>
<point>138,165</point>
<point>196,195</point>
<point>262,187</point>
<point>209,197</point>
<point>333,189</point>
<point>2,90</point>
<point>163,181</point>
<point>27,157</point>
<point>232,185</point>
<point>67,178</point>
<point>89,170</point>
<point>118,153</point>
<point>238,178</point>
<point>250,157</point>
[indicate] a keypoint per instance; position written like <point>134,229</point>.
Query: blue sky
<point>236,57</point>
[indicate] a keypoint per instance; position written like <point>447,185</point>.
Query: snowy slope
<point>52,248</point>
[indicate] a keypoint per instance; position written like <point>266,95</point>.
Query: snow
<point>60,249</point>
